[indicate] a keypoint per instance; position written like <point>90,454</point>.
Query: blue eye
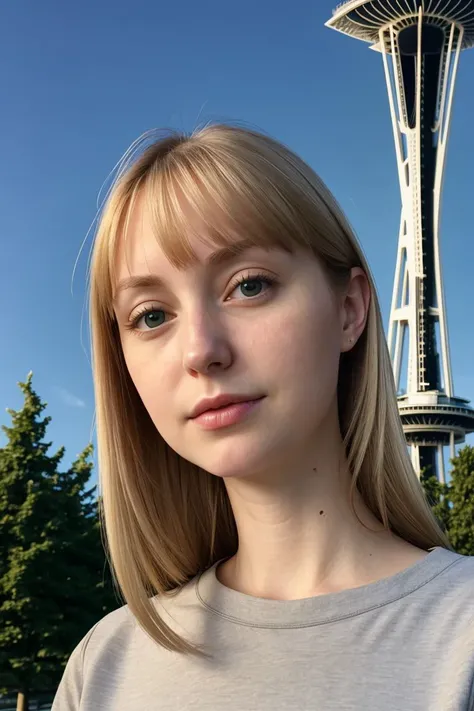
<point>151,316</point>
<point>148,314</point>
<point>250,281</point>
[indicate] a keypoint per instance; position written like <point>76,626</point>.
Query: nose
<point>206,344</point>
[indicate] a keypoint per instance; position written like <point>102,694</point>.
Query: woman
<point>264,523</point>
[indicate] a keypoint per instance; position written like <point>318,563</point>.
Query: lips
<point>221,401</point>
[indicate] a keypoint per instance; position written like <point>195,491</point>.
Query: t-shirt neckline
<point>245,609</point>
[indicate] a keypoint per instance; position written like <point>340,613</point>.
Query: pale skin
<point>284,466</point>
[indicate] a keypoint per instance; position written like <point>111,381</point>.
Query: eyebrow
<point>217,258</point>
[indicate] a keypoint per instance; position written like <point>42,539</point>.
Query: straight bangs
<point>199,196</point>
<point>233,196</point>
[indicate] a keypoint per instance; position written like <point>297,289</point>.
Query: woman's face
<point>206,335</point>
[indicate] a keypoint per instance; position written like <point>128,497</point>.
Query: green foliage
<point>453,503</point>
<point>438,498</point>
<point>461,494</point>
<point>53,582</point>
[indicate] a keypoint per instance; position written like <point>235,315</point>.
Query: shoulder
<point>113,630</point>
<point>449,592</point>
<point>113,639</point>
<point>457,575</point>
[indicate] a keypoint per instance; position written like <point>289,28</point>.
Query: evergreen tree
<point>461,527</point>
<point>438,496</point>
<point>53,585</point>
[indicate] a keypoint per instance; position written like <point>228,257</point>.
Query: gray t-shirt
<point>402,643</point>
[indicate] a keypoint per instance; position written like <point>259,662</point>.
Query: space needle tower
<point>420,42</point>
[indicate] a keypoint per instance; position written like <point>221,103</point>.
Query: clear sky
<point>80,81</point>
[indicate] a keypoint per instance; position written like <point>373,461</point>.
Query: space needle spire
<point>420,42</point>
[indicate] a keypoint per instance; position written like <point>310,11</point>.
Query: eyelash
<point>132,324</point>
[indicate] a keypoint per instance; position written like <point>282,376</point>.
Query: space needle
<point>420,42</point>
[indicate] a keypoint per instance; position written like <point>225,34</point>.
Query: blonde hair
<point>166,519</point>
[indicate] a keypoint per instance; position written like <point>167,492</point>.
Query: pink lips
<point>227,415</point>
<point>222,400</point>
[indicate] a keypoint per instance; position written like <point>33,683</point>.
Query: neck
<point>299,535</point>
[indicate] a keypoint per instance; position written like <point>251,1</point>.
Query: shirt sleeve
<point>69,692</point>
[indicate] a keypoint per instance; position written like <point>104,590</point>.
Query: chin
<point>246,456</point>
<point>227,467</point>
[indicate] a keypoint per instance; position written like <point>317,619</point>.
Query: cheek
<point>308,327</point>
<point>304,351</point>
<point>154,378</point>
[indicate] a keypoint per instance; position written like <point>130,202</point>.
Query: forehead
<point>150,239</point>
<point>140,241</point>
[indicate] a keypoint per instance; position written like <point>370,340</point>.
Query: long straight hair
<point>166,519</point>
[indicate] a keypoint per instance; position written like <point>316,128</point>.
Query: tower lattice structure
<point>420,42</point>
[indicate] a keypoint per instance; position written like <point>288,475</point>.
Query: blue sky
<point>80,81</point>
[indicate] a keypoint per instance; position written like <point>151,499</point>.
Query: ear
<point>355,308</point>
